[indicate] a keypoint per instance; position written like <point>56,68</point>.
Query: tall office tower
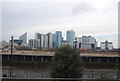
<point>106,45</point>
<point>48,40</point>
<point>87,42</point>
<point>42,41</point>
<point>70,37</point>
<point>35,43</point>
<point>24,38</point>
<point>37,35</point>
<point>45,39</point>
<point>54,40</point>
<point>59,38</point>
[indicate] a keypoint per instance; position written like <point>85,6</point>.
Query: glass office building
<point>70,37</point>
<point>54,40</point>
<point>59,38</point>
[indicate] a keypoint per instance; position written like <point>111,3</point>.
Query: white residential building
<point>106,45</point>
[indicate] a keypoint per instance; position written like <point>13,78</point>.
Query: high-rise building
<point>87,42</point>
<point>37,35</point>
<point>54,40</point>
<point>59,38</point>
<point>24,38</point>
<point>45,40</point>
<point>106,45</point>
<point>70,37</point>
<point>48,40</point>
<point>35,43</point>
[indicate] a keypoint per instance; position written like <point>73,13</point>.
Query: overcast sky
<point>98,18</point>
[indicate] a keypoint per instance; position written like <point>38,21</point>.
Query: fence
<point>40,69</point>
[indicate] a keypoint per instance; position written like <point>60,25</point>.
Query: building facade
<point>70,37</point>
<point>24,38</point>
<point>106,45</point>
<point>34,43</point>
<point>59,38</point>
<point>87,42</point>
<point>48,40</point>
<point>54,40</point>
<point>65,43</point>
<point>37,35</point>
<point>45,39</point>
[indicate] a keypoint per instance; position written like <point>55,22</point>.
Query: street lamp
<point>11,55</point>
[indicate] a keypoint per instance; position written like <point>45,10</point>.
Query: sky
<point>98,18</point>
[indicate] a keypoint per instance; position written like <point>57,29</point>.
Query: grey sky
<point>98,18</point>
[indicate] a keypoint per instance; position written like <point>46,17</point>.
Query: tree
<point>67,63</point>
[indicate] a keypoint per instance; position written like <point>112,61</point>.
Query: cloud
<point>83,16</point>
<point>81,8</point>
<point>25,14</point>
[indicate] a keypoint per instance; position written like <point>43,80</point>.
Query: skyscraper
<point>45,39</point>
<point>70,37</point>
<point>54,40</point>
<point>59,38</point>
<point>24,38</point>
<point>37,35</point>
<point>48,41</point>
<point>42,40</point>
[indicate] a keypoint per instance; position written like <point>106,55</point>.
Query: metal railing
<point>56,79</point>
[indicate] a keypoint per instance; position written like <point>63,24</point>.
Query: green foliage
<point>67,63</point>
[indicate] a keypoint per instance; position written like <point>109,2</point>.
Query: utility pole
<point>11,56</point>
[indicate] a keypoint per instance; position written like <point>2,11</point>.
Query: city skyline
<point>96,18</point>
<point>58,38</point>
